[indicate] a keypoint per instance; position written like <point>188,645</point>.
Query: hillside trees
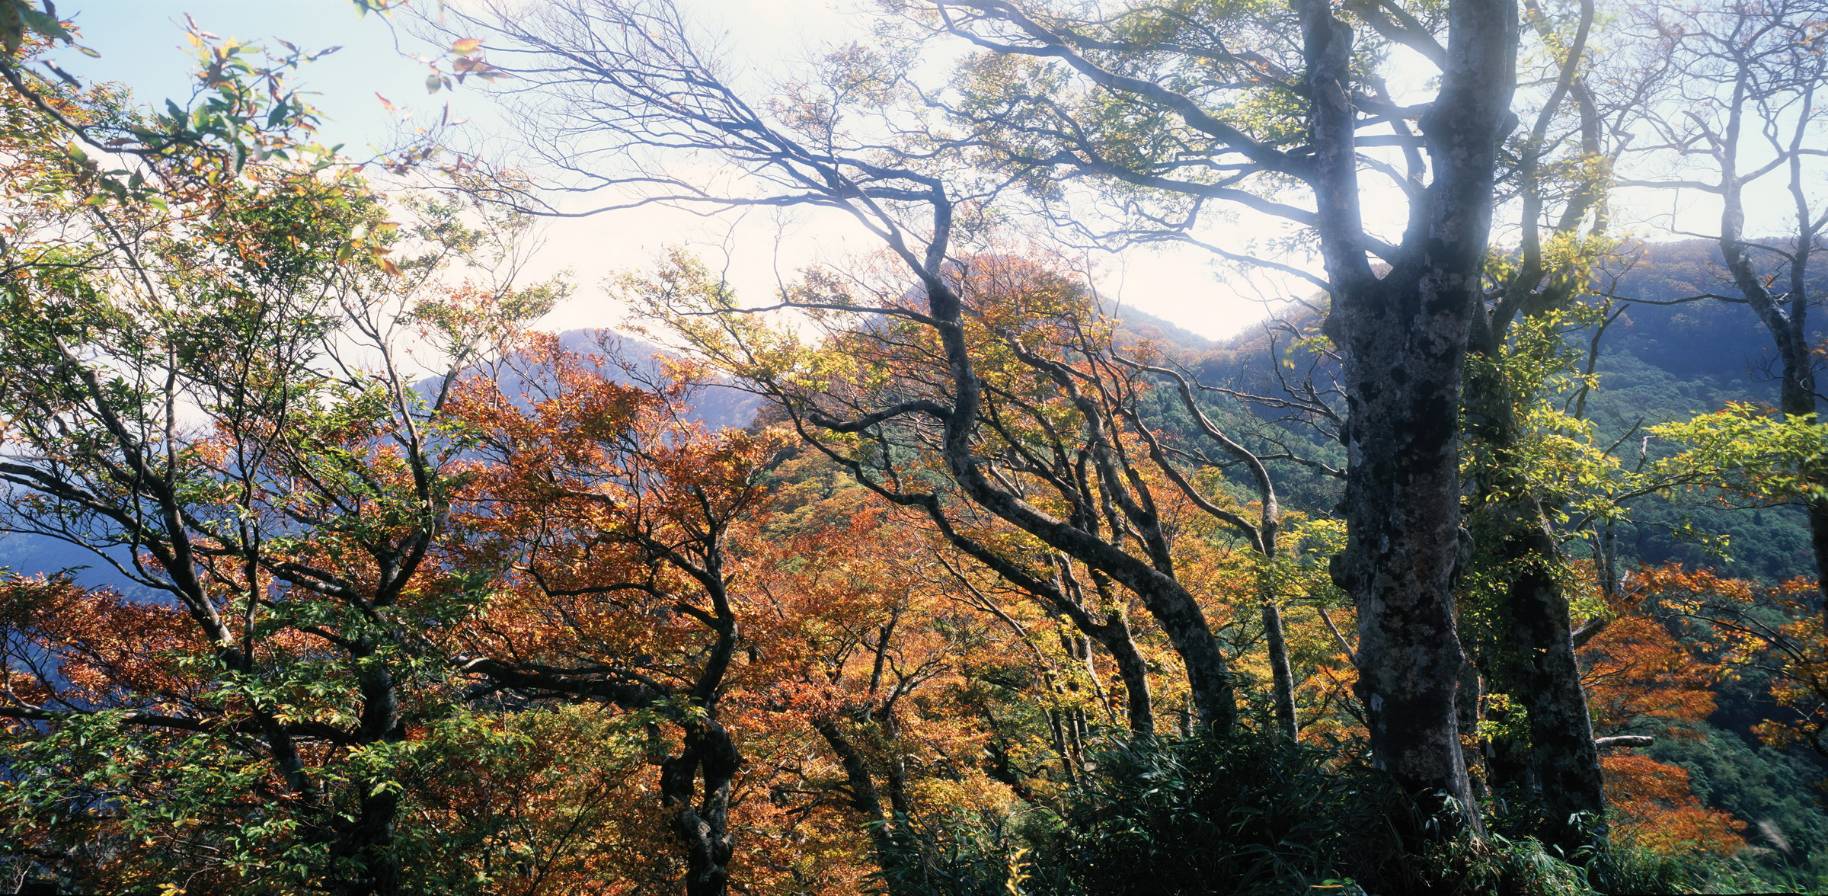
<point>389,594</point>
<point>1065,422</point>
<point>1740,119</point>
<point>762,637</point>
<point>1168,114</point>
<point>633,70</point>
<point>1759,631</point>
<point>614,522</point>
<point>941,706</point>
<point>1279,131</point>
<point>648,80</point>
<point>1653,663</point>
<point>202,387</point>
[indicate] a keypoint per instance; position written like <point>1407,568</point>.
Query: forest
<point>1487,555</point>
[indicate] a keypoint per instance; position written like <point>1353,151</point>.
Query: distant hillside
<point>1707,338</point>
<point>715,405</point>
<point>1659,362</point>
<point>1143,325</point>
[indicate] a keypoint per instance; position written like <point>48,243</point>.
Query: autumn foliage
<point>380,588</point>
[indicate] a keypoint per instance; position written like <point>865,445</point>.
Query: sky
<point>141,43</point>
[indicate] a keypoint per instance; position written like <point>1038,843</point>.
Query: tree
<point>1286,122</point>
<point>939,702</point>
<point>1069,422</point>
<point>203,389</point>
<point>1761,632</point>
<point>1002,590</point>
<point>1648,679</point>
<point>633,66</point>
<point>1559,166</point>
<point>614,519</point>
<point>1738,119</point>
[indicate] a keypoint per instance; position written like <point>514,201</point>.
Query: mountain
<point>1668,357</point>
<point>1659,362</point>
<point>1143,325</point>
<point>716,405</point>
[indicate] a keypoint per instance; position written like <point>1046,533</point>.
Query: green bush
<point>1203,815</point>
<point>1248,815</point>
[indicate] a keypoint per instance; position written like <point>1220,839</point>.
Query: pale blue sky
<point>142,44</point>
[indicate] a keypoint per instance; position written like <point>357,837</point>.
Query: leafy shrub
<point>1247,815</point>
<point>1205,815</point>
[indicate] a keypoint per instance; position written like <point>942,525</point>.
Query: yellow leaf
<point>466,45</point>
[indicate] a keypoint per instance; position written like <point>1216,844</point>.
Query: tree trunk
<point>1114,635</point>
<point>1540,671</point>
<point>1402,513</point>
<point>1818,540</point>
<point>1403,339</point>
<point>702,827</point>
<point>366,843</point>
<point>867,801</point>
<point>1208,674</point>
<point>1282,677</point>
<point>1529,658</point>
<point>1468,703</point>
<point>1798,399</point>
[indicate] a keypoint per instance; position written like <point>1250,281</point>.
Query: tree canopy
<point>327,566</point>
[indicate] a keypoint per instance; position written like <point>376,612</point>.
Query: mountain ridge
<point>1660,361</point>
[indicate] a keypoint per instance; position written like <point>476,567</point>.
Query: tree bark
<point>1544,676</point>
<point>702,824</point>
<point>366,842</point>
<point>1282,678</point>
<point>1818,542</point>
<point>1788,330</point>
<point>1796,399</point>
<point>1468,702</point>
<point>1402,513</point>
<point>1208,674</point>
<point>1529,655</point>
<point>1134,670</point>
<point>867,801</point>
<point>1404,337</point>
<point>1113,634</point>
<point>1262,535</point>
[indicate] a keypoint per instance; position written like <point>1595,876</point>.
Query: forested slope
<point>918,571</point>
